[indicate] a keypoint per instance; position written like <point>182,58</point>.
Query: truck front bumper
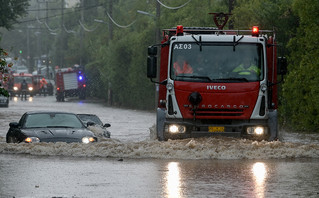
<point>252,129</point>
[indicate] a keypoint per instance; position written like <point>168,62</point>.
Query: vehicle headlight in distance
<point>256,130</point>
<point>30,88</point>
<point>31,140</point>
<point>15,88</point>
<point>175,128</point>
<point>87,140</point>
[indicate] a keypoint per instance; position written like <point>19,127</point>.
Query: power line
<point>76,10</point>
<point>86,29</point>
<point>173,8</point>
<point>121,26</point>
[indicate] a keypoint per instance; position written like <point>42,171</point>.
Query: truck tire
<point>60,97</point>
<point>82,95</point>
<point>273,125</point>
<point>160,119</point>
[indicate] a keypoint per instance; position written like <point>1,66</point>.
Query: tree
<point>300,90</point>
<point>9,12</point>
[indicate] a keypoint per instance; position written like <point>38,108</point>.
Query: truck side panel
<point>70,81</point>
<point>272,73</point>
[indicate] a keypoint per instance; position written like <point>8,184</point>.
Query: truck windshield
<point>217,62</point>
<point>19,79</point>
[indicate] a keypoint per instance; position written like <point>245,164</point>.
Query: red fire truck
<point>18,79</point>
<point>70,82</point>
<point>210,92</point>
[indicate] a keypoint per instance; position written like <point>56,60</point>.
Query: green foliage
<point>300,91</point>
<point>3,71</point>
<point>10,11</point>
<point>267,14</point>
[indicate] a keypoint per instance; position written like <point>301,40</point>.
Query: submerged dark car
<point>49,127</point>
<point>4,101</point>
<point>94,120</point>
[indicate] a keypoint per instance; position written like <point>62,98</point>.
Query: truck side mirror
<point>152,62</point>
<point>151,66</point>
<point>152,51</point>
<point>281,65</point>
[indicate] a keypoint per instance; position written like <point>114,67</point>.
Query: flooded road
<point>132,164</point>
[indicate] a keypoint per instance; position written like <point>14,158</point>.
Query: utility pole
<point>110,25</point>
<point>230,9</point>
<point>158,40</point>
<point>62,35</point>
<point>81,31</point>
<point>110,11</point>
<point>47,43</point>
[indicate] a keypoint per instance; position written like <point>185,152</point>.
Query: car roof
<point>88,114</point>
<point>38,112</point>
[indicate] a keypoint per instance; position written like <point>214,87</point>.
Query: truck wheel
<point>82,95</point>
<point>273,125</point>
<point>160,118</point>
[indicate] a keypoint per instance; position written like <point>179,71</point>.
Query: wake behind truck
<point>70,82</point>
<point>204,88</point>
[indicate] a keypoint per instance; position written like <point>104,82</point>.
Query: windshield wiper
<point>193,76</point>
<point>235,43</point>
<point>198,42</point>
<point>231,79</point>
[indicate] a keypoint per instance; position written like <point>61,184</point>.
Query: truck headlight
<point>175,128</point>
<point>15,88</point>
<point>256,130</point>
<point>30,88</point>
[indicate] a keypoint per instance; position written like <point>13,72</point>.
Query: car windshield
<point>217,62</point>
<point>52,120</point>
<point>90,118</point>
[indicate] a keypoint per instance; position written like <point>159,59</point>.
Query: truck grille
<point>219,112</point>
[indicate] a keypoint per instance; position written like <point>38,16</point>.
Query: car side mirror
<point>106,125</point>
<point>14,124</point>
<point>90,124</point>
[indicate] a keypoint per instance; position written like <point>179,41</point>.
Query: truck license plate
<point>216,129</point>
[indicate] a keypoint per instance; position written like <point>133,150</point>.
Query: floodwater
<point>133,164</point>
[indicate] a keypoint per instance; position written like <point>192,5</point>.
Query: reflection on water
<point>173,180</point>
<point>259,170</point>
<point>15,99</point>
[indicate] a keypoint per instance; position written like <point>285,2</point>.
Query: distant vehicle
<point>38,85</point>
<point>94,120</point>
<point>70,83</point>
<point>49,126</point>
<point>4,101</point>
<point>21,69</point>
<point>18,79</point>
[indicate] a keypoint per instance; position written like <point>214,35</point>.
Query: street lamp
<point>100,21</point>
<point>145,13</point>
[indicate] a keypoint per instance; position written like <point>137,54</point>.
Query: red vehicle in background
<point>70,82</point>
<point>17,79</point>
<point>42,86</point>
